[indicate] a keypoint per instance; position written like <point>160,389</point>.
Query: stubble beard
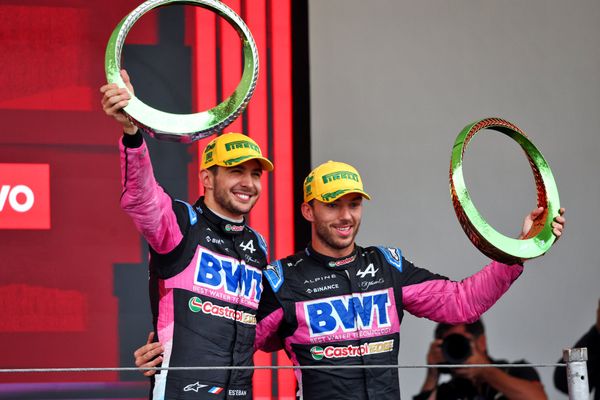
<point>224,198</point>
<point>325,236</point>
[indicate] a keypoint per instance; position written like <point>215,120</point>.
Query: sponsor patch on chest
<point>226,278</point>
<point>196,305</point>
<point>347,317</point>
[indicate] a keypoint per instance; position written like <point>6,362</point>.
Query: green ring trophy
<point>185,127</point>
<point>489,241</point>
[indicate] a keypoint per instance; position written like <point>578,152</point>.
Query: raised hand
<point>114,99</point>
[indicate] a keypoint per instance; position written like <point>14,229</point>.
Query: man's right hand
<point>114,99</point>
<point>434,357</point>
<point>149,355</point>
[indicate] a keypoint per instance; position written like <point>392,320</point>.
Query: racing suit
<point>326,311</point>
<point>205,284</point>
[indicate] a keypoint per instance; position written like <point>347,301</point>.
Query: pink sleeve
<point>460,302</point>
<point>266,332</point>
<point>146,202</point>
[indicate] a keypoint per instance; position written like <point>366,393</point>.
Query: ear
<point>207,178</point>
<point>307,212</point>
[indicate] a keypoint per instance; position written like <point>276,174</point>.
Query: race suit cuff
<point>133,141</point>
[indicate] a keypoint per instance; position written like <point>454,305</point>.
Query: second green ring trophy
<point>488,240</point>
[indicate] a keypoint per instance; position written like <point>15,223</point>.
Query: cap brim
<point>358,191</point>
<point>265,164</point>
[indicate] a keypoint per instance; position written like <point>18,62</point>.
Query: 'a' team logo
<point>195,304</point>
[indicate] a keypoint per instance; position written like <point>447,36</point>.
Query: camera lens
<point>456,348</point>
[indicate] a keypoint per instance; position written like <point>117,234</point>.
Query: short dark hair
<point>475,328</point>
<point>214,169</point>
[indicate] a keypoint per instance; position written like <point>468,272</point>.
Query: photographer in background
<point>467,344</point>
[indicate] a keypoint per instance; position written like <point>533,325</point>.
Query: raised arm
<point>142,197</point>
<point>465,301</point>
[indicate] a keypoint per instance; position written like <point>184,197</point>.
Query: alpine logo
<point>319,278</point>
<point>318,353</point>
<point>226,274</point>
<point>348,313</point>
<point>248,246</point>
<point>196,305</point>
<point>370,270</point>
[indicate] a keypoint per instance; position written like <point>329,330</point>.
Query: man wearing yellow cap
<point>339,304</point>
<point>205,262</point>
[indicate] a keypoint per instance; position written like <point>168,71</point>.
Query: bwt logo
<point>24,196</point>
<point>215,271</point>
<point>361,311</point>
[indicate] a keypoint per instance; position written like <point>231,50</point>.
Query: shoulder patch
<point>261,242</point>
<point>393,255</point>
<point>274,274</point>
<point>191,212</point>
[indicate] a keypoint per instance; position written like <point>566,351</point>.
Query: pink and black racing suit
<point>205,280</point>
<point>338,312</point>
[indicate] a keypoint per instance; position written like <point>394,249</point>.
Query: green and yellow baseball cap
<point>231,149</point>
<point>331,180</point>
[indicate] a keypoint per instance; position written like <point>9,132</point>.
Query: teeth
<point>243,196</point>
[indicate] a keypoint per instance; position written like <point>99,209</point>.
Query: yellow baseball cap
<point>232,149</point>
<point>331,180</point>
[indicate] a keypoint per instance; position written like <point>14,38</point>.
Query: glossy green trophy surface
<point>185,127</point>
<point>489,241</point>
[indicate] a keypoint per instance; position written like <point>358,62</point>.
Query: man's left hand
<point>557,225</point>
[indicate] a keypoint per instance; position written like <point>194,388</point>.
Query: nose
<point>345,213</point>
<point>246,179</point>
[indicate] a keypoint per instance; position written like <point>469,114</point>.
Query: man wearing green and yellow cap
<point>339,304</point>
<point>205,262</point>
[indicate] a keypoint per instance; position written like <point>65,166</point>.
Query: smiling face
<point>232,191</point>
<point>335,224</point>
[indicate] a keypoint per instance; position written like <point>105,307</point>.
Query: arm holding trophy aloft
<point>114,99</point>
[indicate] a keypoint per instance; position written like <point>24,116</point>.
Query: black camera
<point>456,348</point>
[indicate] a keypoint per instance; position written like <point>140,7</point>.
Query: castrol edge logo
<point>365,349</point>
<point>24,196</point>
